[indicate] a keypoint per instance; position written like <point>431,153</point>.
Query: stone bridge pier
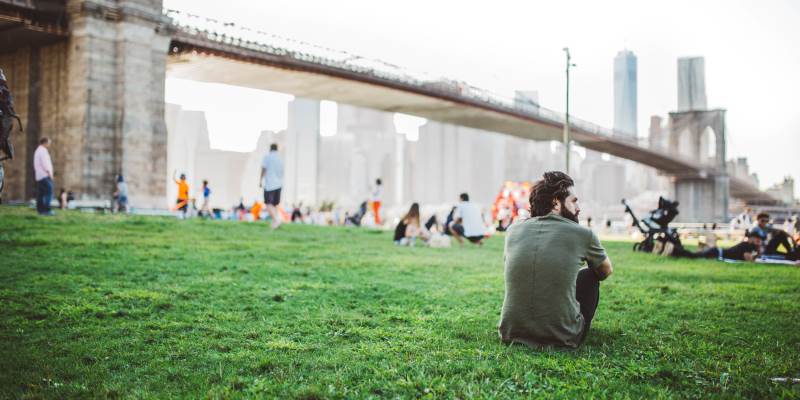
<point>700,136</point>
<point>94,84</point>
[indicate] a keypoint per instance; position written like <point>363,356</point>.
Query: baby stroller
<point>658,236</point>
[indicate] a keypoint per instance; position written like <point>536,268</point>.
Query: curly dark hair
<point>553,185</point>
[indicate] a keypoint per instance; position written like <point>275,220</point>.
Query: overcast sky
<point>751,52</point>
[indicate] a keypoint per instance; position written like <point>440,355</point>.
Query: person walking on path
<point>43,171</point>
<point>550,299</point>
<point>376,197</point>
<point>271,181</point>
<point>205,209</point>
<point>182,202</point>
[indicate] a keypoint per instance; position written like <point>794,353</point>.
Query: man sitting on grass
<point>772,237</point>
<point>468,222</point>
<point>550,298</point>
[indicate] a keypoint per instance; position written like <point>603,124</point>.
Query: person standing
<point>43,171</point>
<point>122,195</point>
<point>272,181</point>
<point>62,199</point>
<point>376,197</point>
<point>205,209</point>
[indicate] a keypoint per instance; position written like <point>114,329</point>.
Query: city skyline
<point>509,60</point>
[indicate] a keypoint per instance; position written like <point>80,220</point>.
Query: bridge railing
<point>258,40</point>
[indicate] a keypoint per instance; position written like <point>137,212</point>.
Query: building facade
<point>691,84</point>
<point>625,94</point>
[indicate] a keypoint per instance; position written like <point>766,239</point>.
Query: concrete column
<point>302,144</point>
<point>399,158</point>
<point>702,200</point>
<point>115,103</point>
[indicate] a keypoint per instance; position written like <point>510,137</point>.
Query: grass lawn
<point>111,306</point>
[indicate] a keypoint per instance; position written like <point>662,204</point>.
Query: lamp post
<point>566,115</point>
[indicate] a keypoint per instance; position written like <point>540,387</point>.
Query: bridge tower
<point>699,135</point>
<point>97,90</point>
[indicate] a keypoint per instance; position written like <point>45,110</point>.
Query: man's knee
<point>588,278</point>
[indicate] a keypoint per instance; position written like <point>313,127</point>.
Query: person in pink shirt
<point>43,171</point>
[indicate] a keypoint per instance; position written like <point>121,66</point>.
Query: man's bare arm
<point>604,270</point>
<point>261,178</point>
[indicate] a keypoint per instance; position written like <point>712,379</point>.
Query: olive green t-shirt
<point>542,258</point>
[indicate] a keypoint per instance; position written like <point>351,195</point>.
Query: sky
<point>751,51</point>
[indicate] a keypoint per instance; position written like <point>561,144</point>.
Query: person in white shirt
<point>375,198</point>
<point>121,195</point>
<point>43,172</point>
<point>272,180</point>
<point>468,222</point>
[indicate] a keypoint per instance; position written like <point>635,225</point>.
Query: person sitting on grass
<point>747,250</point>
<point>550,299</point>
<point>448,222</point>
<point>468,222</point>
<point>773,238</point>
<point>409,228</point>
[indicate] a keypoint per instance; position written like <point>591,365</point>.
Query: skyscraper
<point>625,93</point>
<point>691,84</point>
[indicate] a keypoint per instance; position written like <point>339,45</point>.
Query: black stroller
<point>658,235</point>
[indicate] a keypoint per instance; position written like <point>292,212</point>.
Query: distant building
<point>740,168</point>
<point>625,111</point>
<point>658,139</point>
<point>691,84</point>
<point>783,190</point>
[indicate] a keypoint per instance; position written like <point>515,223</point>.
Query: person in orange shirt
<point>256,210</point>
<point>183,194</point>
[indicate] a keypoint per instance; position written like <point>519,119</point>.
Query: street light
<point>566,114</point>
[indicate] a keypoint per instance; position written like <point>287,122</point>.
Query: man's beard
<point>569,215</point>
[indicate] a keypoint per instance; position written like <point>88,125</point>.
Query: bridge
<point>106,63</point>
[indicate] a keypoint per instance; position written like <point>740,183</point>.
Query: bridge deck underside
<point>354,91</point>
